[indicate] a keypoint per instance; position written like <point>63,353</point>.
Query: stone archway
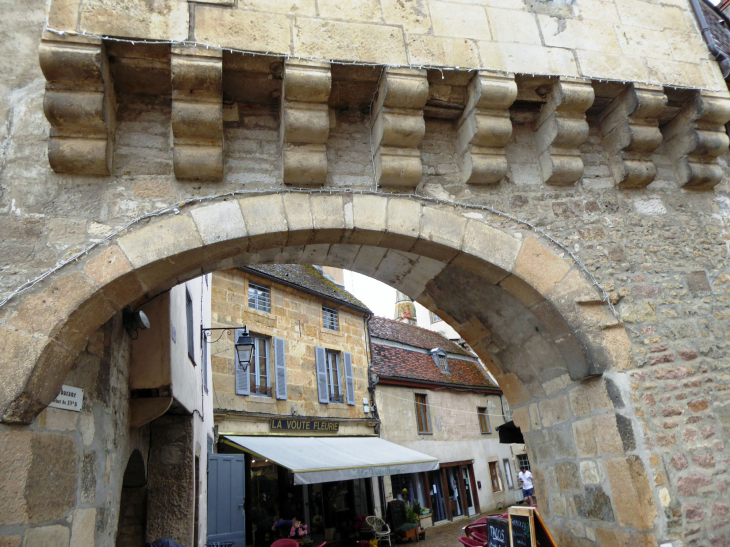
<point>529,314</point>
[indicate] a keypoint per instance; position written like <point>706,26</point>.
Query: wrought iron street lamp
<point>242,342</point>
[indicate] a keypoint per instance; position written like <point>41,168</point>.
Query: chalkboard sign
<point>527,529</point>
<point>497,532</point>
<point>521,531</point>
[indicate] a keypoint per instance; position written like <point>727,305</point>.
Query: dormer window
<point>439,357</point>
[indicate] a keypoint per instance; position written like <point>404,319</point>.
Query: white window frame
<point>257,375</point>
<point>519,462</point>
<point>508,474</point>
<point>259,303</point>
<point>332,357</point>
<point>334,315</point>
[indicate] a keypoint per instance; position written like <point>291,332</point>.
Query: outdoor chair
<point>379,528</point>
<point>478,536</point>
<point>286,542</point>
<point>471,542</point>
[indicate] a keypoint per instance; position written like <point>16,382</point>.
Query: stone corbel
<point>696,137</point>
<point>630,128</point>
<point>79,104</point>
<point>485,128</point>
<point>197,113</point>
<point>398,127</point>
<point>305,121</point>
<point>561,128</point>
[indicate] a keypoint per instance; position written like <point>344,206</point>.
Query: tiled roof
<point>718,27</point>
<point>309,279</point>
<point>401,363</point>
<point>412,335</point>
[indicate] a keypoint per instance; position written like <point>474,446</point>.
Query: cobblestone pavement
<point>445,535</point>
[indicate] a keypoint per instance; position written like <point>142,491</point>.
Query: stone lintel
<point>305,121</point>
<point>561,128</point>
<point>79,104</point>
<point>630,127</point>
<point>484,128</point>
<point>197,113</point>
<point>696,137</point>
<point>398,126</point>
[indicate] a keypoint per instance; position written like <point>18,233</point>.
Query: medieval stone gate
<point>546,217</point>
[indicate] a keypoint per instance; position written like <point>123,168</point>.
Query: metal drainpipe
<point>719,56</point>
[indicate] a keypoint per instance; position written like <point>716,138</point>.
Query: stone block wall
<point>638,40</point>
<point>297,318</point>
<point>61,476</point>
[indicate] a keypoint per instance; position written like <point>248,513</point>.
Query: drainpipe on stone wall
<point>371,383</point>
<point>719,56</point>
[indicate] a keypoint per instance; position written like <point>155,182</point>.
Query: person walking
<point>527,487</point>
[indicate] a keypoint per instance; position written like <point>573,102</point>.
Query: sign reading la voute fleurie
<point>297,425</point>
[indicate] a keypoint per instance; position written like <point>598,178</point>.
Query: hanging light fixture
<point>244,347</point>
<point>242,343</point>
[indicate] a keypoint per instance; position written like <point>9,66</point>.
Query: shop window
<point>508,473</point>
<point>334,377</point>
<point>259,297</point>
<point>483,420</point>
<point>330,319</point>
<point>259,376</point>
<point>523,461</point>
<point>189,322</point>
<point>422,415</point>
<point>494,475</point>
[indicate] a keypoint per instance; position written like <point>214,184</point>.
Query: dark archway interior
<point>133,506</point>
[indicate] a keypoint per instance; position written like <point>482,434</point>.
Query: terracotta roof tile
<point>392,362</point>
<point>411,335</point>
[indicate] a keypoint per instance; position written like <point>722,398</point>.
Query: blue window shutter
<point>280,366</point>
<point>243,386</point>
<point>321,359</point>
<point>349,380</point>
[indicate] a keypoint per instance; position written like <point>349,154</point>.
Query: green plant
<point>411,515</point>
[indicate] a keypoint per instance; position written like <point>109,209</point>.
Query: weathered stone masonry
<point>632,457</point>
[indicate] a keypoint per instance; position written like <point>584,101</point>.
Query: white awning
<point>326,459</point>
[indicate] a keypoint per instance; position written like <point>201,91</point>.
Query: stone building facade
<point>521,168</point>
<point>448,410</point>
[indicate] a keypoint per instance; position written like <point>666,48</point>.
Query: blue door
<point>226,522</point>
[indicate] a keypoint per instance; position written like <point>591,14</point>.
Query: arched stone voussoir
<point>33,370</point>
<point>160,240</point>
<point>265,220</point>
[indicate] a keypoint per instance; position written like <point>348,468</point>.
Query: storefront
<point>449,492</point>
<point>330,484</point>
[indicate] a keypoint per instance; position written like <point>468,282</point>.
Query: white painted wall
<point>456,433</point>
<point>187,378</point>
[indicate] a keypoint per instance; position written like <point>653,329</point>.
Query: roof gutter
<point>719,56</point>
<point>428,384</point>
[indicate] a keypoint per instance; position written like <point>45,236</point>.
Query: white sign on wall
<point>70,398</point>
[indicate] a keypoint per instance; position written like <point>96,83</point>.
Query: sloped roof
<point>308,279</point>
<point>400,363</point>
<point>411,335</point>
<point>718,27</point>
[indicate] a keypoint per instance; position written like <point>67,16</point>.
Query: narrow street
<point>446,535</point>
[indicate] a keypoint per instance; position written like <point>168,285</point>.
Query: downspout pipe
<point>719,56</point>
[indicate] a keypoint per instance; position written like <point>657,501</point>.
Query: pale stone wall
<point>456,433</point>
<point>637,40</point>
<point>295,317</point>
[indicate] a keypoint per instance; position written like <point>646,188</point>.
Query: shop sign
<point>310,425</point>
<point>70,398</point>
